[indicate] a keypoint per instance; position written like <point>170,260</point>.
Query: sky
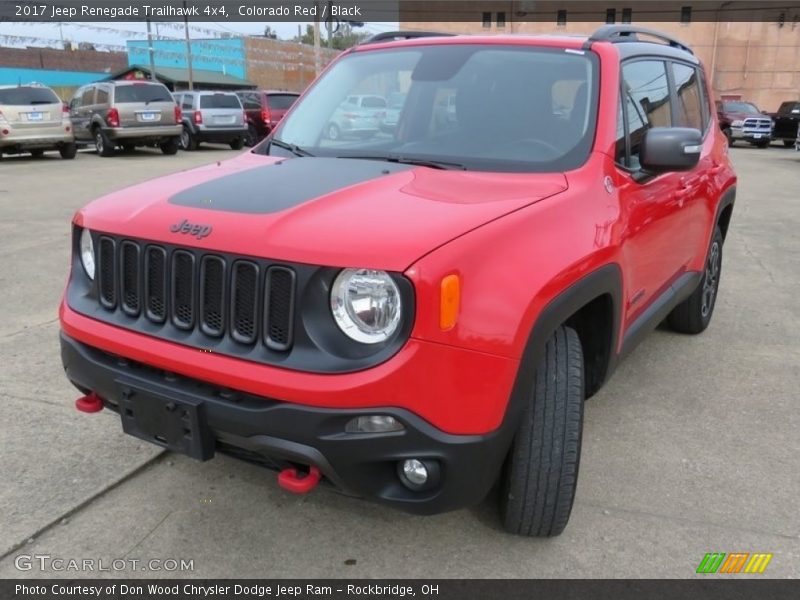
<point>115,34</point>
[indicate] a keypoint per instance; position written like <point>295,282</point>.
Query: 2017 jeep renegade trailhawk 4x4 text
<point>414,315</point>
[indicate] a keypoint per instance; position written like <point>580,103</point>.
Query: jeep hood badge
<point>197,230</point>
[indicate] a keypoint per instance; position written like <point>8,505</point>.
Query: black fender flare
<point>605,280</point>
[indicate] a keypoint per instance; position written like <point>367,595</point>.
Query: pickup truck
<point>786,121</point>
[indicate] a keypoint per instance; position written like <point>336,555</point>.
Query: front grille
<point>756,123</point>
<point>194,292</point>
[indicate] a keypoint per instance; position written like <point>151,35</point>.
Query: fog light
<point>374,424</point>
<point>415,472</point>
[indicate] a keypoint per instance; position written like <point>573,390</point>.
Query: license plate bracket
<point>175,423</point>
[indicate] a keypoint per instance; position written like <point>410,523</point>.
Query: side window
<point>102,96</point>
<point>75,102</point>
<point>645,103</point>
<point>87,99</point>
<point>186,102</point>
<point>689,111</point>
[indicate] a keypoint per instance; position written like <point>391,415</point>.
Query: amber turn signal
<point>449,301</point>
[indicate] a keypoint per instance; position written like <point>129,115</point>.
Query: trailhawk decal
<point>289,183</point>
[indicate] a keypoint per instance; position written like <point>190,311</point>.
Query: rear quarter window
<point>26,96</point>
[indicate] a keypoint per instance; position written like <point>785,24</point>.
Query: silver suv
<point>126,114</point>
<point>216,117</point>
<point>33,119</point>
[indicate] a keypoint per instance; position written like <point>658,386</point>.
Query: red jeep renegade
<point>416,315</point>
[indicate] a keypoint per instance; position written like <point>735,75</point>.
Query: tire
<point>237,144</point>
<point>694,314</point>
<point>102,144</point>
<point>252,136</point>
<point>187,140</point>
<point>170,147</point>
<point>788,143</point>
<point>541,472</point>
<point>68,151</point>
<point>38,153</point>
<point>763,144</point>
<point>334,133</point>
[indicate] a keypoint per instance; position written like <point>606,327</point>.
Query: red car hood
<point>323,211</point>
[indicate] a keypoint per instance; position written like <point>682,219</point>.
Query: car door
<point>651,246</point>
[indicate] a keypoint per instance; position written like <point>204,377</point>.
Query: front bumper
<point>737,133</point>
<point>280,434</point>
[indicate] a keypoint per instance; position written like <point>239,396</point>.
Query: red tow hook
<point>290,480</point>
<point>90,403</point>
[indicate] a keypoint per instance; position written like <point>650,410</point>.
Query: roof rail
<point>389,36</point>
<point>629,33</point>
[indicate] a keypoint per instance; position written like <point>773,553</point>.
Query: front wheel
<point>541,472</point>
<point>694,314</point>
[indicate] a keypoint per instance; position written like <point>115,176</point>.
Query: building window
<point>501,19</point>
<point>561,18</point>
<point>627,16</point>
<point>611,16</point>
<point>686,15</point>
<point>487,20</point>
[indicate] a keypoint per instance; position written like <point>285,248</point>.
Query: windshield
<point>480,107</point>
<point>24,96</point>
<point>220,101</point>
<point>139,92</point>
<point>741,107</point>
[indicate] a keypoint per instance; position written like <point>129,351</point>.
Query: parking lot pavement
<point>692,447</point>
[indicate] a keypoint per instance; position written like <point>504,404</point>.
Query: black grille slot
<point>244,302</point>
<point>106,272</point>
<point>279,308</point>
<point>183,289</point>
<point>155,284</point>
<point>130,286</point>
<point>212,295</point>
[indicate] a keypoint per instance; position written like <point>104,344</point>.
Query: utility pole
<point>151,52</point>
<point>188,45</point>
<point>329,24</point>
<point>317,57</point>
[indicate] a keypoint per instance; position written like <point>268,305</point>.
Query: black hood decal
<point>283,185</point>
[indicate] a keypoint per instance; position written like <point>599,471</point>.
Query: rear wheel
<point>237,144</point>
<point>68,151</point>
<point>38,153</point>
<point>541,473</point>
<point>187,140</point>
<point>170,147</point>
<point>102,144</point>
<point>252,136</point>
<point>694,314</point>
<point>788,143</point>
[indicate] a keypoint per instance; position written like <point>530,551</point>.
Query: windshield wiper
<point>293,148</point>
<point>410,160</point>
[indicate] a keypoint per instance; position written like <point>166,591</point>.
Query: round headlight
<point>87,253</point>
<point>366,305</point>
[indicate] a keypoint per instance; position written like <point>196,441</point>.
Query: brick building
<point>748,54</point>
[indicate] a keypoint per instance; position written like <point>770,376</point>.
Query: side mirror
<point>670,149</point>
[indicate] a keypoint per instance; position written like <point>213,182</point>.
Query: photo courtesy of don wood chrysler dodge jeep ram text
<point>417,315</point>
